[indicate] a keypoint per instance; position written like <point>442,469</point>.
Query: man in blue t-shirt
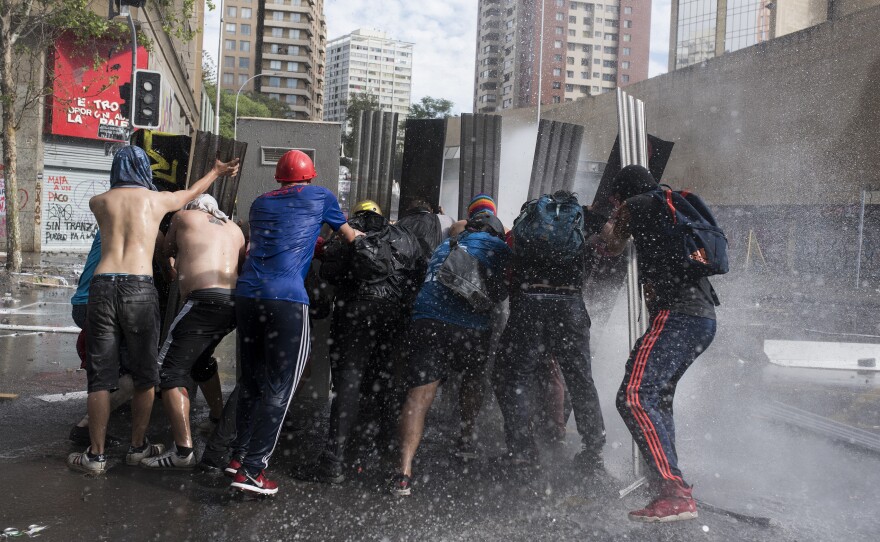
<point>272,312</point>
<point>447,334</point>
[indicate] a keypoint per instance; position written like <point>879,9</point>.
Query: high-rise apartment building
<point>283,39</point>
<point>703,29</point>
<point>368,61</point>
<point>587,48</point>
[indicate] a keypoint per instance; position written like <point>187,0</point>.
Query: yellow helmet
<point>366,205</point>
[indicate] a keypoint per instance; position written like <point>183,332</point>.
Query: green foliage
<point>250,104</point>
<point>431,108</point>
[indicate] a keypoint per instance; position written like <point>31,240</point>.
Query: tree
<point>431,108</point>
<point>28,28</point>
<point>357,102</point>
<point>250,104</point>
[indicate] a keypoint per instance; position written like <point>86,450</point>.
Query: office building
<point>284,39</point>
<point>588,48</point>
<point>368,61</point>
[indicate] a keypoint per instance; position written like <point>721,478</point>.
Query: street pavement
<point>810,487</point>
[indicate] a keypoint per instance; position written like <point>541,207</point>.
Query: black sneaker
<point>210,465</point>
<point>588,462</point>
<point>400,485</point>
<point>80,436</point>
<point>325,472</point>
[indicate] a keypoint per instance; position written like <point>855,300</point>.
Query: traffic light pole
<point>134,55</point>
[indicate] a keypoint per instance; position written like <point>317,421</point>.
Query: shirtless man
<point>123,301</point>
<point>208,249</point>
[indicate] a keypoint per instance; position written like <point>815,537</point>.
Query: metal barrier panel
<point>480,158</point>
<point>375,145</point>
<point>556,157</point>
<point>422,171</point>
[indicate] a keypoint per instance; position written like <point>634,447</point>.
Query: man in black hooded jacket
<point>368,316</point>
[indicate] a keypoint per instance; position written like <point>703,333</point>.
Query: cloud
<point>444,34</point>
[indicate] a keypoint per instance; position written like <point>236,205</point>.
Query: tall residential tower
<point>368,61</point>
<point>284,39</point>
<point>587,48</point>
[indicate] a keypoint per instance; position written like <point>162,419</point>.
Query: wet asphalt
<point>810,487</point>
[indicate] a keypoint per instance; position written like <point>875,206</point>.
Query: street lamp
<point>237,94</point>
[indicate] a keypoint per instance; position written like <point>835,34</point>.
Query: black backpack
<point>699,244</point>
<point>379,255</point>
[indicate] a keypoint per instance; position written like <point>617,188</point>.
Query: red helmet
<point>295,166</point>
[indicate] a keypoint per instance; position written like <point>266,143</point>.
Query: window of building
<point>557,84</point>
<point>572,32</point>
<point>627,37</point>
<point>229,45</point>
<point>246,13</point>
<point>244,62</point>
<point>556,99</point>
<point>596,75</point>
<point>585,75</point>
<point>245,30</point>
<point>569,88</point>
<point>560,17</point>
<point>274,64</point>
<point>557,44</point>
<point>624,78</point>
<point>569,74</point>
<point>230,28</point>
<point>228,78</point>
<point>627,24</point>
<point>242,78</point>
<point>572,19</point>
<point>586,62</point>
<point>560,3</point>
<point>277,32</point>
<point>291,99</point>
<point>244,46</point>
<point>586,48</point>
<point>624,65</point>
<point>229,61</point>
<point>293,33</point>
<point>611,50</point>
<point>588,21</point>
<point>597,34</point>
<point>557,58</point>
<point>571,46</point>
<point>595,89</point>
<point>626,51</point>
<point>596,61</point>
<point>558,30</point>
<point>557,72</point>
<point>292,66</point>
<point>570,60</point>
<point>597,47</point>
<point>610,37</point>
<point>277,15</point>
<point>274,82</point>
<point>232,11</point>
<point>609,64</point>
<point>627,10</point>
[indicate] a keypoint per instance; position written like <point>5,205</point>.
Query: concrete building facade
<point>585,48</point>
<point>704,29</point>
<point>283,39</point>
<point>368,61</point>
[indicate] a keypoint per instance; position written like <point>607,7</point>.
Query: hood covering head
<point>208,204</point>
<point>131,168</point>
<point>485,222</point>
<point>632,181</point>
<point>482,203</point>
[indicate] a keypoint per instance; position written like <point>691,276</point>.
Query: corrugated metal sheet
<point>480,158</point>
<point>375,145</point>
<point>205,147</point>
<point>556,157</point>
<point>87,155</point>
<point>422,160</point>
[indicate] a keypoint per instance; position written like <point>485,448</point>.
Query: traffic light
<point>125,101</point>
<point>145,99</point>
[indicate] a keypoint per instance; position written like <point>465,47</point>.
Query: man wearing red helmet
<point>272,313</point>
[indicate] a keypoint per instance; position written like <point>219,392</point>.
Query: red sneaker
<point>675,503</point>
<point>258,484</point>
<point>232,468</point>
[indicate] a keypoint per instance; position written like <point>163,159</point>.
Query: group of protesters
<point>414,302</point>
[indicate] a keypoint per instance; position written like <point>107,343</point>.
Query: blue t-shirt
<point>437,302</point>
<point>81,297</point>
<point>284,225</point>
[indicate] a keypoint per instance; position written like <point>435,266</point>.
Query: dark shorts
<point>122,309</point>
<point>438,348</point>
<point>207,316</point>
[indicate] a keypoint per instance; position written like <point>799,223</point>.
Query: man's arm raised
<point>348,233</point>
<point>176,200</point>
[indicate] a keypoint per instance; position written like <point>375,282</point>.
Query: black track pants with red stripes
<point>658,361</point>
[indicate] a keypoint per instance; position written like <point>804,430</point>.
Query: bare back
<point>207,251</point>
<point>129,222</point>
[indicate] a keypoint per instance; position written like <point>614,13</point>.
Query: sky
<point>444,34</point>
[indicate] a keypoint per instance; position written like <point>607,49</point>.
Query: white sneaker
<point>170,461</point>
<point>134,458</point>
<point>80,462</point>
